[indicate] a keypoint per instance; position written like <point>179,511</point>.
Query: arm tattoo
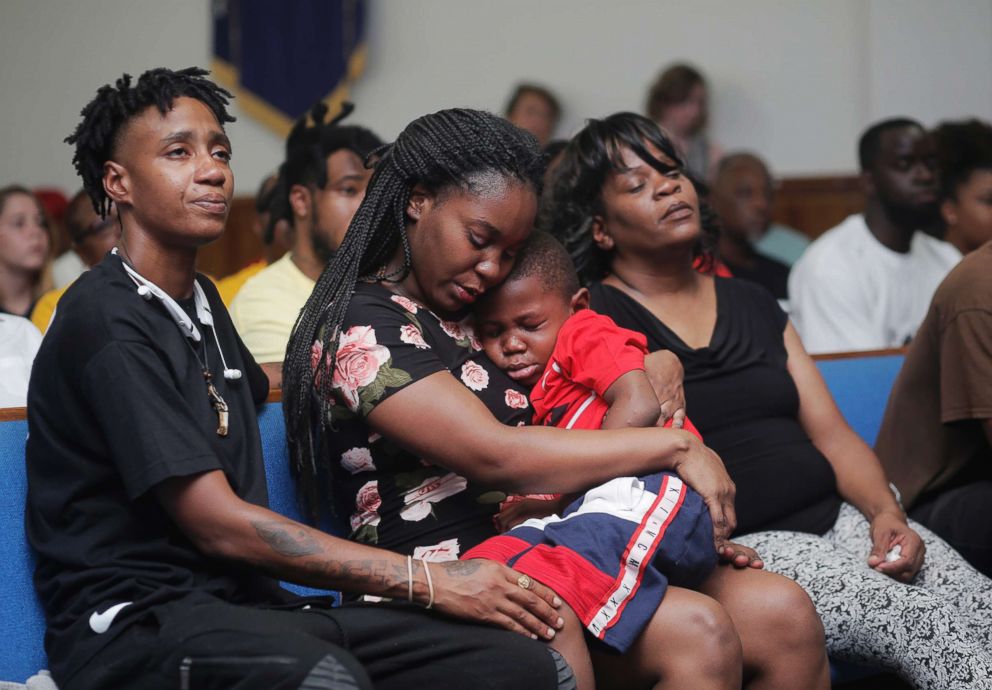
<point>461,568</point>
<point>361,575</point>
<point>285,538</point>
<point>358,575</point>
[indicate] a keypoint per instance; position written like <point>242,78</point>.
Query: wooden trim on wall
<point>13,414</point>
<point>813,205</point>
<point>861,354</point>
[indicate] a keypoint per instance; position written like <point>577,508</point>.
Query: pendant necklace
<point>216,399</point>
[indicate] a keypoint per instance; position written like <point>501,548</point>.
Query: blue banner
<point>281,57</point>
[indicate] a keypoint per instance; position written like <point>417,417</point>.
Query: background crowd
<point>741,310</point>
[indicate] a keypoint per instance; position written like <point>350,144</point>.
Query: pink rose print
<point>418,500</point>
<point>454,330</point>
<point>406,303</point>
<point>366,506</point>
<point>474,376</point>
<point>468,331</point>
<point>515,399</point>
<point>358,361</point>
<point>316,353</point>
<point>357,460</point>
<point>411,335</point>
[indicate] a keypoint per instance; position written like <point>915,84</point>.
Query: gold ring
<point>524,581</point>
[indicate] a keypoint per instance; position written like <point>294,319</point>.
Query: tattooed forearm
<point>286,538</point>
<point>461,568</point>
<point>358,575</point>
<point>314,565</point>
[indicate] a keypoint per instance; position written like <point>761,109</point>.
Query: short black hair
<point>732,160</point>
<point>263,195</point>
<point>577,191</point>
<point>554,147</point>
<point>962,148</point>
<point>545,258</point>
<point>870,143</point>
<point>76,216</point>
<point>311,141</point>
<point>98,134</point>
<point>523,89</point>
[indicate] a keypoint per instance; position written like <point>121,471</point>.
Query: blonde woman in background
<point>25,251</point>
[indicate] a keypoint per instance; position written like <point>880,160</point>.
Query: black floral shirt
<point>389,496</point>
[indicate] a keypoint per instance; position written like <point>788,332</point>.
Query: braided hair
<point>450,149</point>
<point>308,146</point>
<point>98,134</point>
<point>576,195</point>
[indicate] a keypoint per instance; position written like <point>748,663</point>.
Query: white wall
<point>796,80</point>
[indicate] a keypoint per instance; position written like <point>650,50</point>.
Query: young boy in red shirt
<point>613,550</point>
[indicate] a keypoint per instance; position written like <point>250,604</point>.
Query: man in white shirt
<point>866,283</point>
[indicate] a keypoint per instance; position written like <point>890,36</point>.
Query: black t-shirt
<point>388,495</point>
<point>117,403</point>
<point>772,274</point>
<point>744,402</point>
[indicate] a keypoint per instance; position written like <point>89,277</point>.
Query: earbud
<point>147,290</point>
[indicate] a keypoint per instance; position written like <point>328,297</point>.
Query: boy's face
<point>518,326</point>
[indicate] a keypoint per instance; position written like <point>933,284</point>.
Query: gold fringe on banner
<point>259,109</point>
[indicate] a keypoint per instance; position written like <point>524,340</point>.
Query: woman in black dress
<point>811,496</point>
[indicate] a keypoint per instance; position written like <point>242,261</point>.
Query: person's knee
<point>791,619</point>
<point>513,661</point>
<point>708,637</point>
<point>336,672</point>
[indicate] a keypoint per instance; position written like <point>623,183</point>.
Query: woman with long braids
<point>387,393</point>
<point>811,496</point>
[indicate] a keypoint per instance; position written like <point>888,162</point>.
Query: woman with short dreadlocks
<point>388,393</point>
<point>146,499</point>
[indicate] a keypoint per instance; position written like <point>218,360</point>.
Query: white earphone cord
<point>147,290</point>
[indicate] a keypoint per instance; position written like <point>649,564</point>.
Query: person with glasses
<point>92,237</point>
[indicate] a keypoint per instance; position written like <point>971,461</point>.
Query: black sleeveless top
<point>744,402</point>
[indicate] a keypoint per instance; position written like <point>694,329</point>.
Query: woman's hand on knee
<point>740,556</point>
<point>897,550</point>
<point>489,592</point>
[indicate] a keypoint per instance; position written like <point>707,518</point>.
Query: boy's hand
<point>666,374</point>
<point>522,510</point>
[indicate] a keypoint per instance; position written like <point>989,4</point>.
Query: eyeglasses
<point>95,228</point>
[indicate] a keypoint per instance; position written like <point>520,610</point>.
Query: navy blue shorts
<point>613,552</point>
